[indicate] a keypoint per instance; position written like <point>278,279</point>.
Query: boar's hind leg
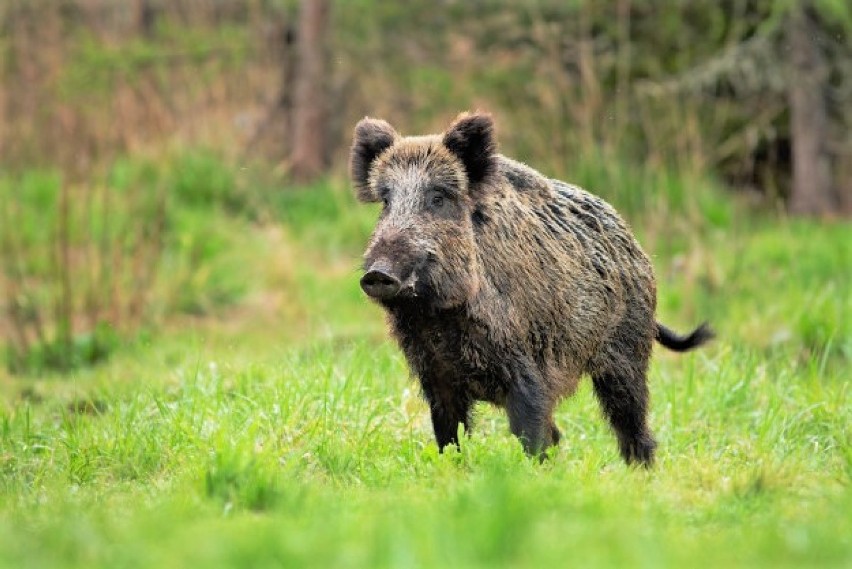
<point>528,407</point>
<point>624,398</point>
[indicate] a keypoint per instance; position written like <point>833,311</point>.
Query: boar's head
<point>423,248</point>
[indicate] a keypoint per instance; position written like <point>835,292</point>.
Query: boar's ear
<point>471,138</point>
<point>372,137</point>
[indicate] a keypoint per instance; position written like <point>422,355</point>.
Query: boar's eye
<point>384,194</point>
<point>436,199</point>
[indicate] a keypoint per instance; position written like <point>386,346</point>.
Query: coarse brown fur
<point>502,285</point>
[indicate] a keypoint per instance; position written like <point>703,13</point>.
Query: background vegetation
<point>191,375</point>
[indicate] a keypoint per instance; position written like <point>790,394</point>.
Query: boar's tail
<point>674,341</point>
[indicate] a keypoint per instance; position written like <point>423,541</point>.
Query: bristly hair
<point>471,139</point>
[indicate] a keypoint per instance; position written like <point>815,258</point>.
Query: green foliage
<point>95,67</point>
<point>323,456</point>
<point>833,12</point>
<point>204,262</point>
<point>203,179</point>
<point>88,264</point>
<point>55,354</point>
<point>802,288</point>
<point>643,192</point>
<point>836,11</point>
<point>325,215</point>
<point>42,229</point>
<point>241,481</point>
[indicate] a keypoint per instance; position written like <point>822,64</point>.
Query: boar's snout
<point>379,282</point>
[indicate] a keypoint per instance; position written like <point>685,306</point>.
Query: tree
<point>146,17</point>
<point>812,190</point>
<point>309,113</point>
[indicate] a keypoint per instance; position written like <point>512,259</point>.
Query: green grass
<point>286,431</point>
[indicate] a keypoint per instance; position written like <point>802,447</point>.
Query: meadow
<point>275,424</point>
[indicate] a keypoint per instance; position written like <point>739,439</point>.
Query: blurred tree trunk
<point>146,17</point>
<point>272,134</point>
<point>844,181</point>
<point>309,112</point>
<point>812,191</point>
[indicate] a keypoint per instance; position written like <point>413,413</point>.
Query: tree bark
<point>812,191</point>
<point>309,113</point>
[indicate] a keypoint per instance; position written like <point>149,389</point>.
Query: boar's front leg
<point>449,408</point>
<point>528,407</point>
<point>446,424</point>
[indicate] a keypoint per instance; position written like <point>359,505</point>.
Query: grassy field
<point>284,429</point>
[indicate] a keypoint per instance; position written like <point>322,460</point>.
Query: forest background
<point>187,354</point>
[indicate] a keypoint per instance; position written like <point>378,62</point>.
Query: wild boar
<point>504,286</point>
